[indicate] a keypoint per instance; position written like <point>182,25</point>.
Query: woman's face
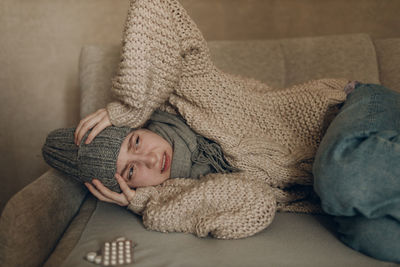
<point>144,159</point>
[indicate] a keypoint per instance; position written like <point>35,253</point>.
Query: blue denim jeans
<point>357,171</point>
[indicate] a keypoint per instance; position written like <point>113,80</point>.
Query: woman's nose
<point>149,159</point>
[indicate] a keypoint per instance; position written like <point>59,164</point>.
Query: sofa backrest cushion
<point>388,54</point>
<point>280,63</point>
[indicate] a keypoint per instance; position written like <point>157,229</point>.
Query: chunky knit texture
<point>86,161</point>
<point>219,204</point>
<point>270,134</point>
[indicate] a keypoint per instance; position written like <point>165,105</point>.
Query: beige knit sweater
<point>270,134</point>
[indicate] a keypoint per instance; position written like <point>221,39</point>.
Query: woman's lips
<point>167,162</point>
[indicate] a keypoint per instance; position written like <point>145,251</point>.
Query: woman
<point>268,137</point>
<point>271,135</point>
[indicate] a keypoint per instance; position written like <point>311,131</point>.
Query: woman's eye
<point>137,142</point>
<point>131,170</point>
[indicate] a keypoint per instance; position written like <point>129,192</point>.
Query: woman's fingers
<point>97,194</point>
<point>86,124</point>
<point>104,194</point>
<point>99,118</point>
<point>120,199</point>
<point>86,127</point>
<point>81,124</point>
<point>100,126</point>
<point>128,192</point>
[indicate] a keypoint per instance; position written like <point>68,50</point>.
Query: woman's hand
<point>98,120</point>
<point>105,194</point>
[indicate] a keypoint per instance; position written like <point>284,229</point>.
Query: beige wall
<point>41,40</point>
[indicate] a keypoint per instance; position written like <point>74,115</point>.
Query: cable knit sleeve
<point>226,206</point>
<point>150,64</point>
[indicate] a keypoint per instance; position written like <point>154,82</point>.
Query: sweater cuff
<point>141,198</point>
<point>337,84</point>
<point>124,115</point>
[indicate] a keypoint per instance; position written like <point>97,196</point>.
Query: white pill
<point>90,256</point>
<point>121,238</point>
<point>97,260</point>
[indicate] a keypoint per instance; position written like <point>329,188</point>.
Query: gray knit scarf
<point>194,155</point>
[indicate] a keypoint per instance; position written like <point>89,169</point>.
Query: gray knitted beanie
<point>95,160</point>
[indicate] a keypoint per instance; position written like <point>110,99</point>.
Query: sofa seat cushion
<point>291,240</point>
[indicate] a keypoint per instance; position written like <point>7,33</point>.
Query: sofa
<point>54,221</point>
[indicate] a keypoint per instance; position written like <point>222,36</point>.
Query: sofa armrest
<point>35,218</point>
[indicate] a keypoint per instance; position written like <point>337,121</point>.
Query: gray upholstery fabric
<point>35,218</point>
<point>388,52</point>
<point>291,240</point>
<point>97,65</point>
<point>286,62</point>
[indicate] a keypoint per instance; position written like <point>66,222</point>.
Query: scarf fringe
<point>210,152</point>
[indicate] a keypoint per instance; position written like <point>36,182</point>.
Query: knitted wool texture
<point>221,205</point>
<point>270,134</point>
